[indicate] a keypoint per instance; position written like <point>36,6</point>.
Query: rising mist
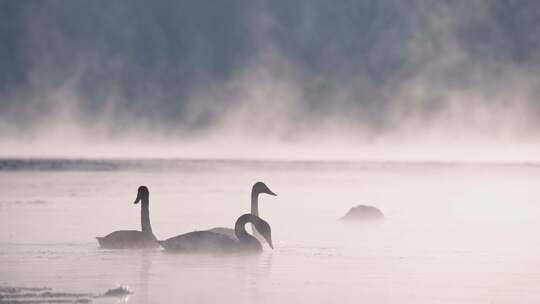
<point>406,80</point>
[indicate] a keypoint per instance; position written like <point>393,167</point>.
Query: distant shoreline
<point>113,164</point>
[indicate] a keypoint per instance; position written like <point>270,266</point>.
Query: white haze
<point>444,105</point>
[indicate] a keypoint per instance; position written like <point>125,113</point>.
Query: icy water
<point>453,233</point>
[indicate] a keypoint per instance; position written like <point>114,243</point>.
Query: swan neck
<point>240,227</point>
<point>254,202</point>
<point>145,216</point>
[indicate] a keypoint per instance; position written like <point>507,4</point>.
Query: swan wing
<point>125,239</point>
<point>228,232</point>
<point>199,241</point>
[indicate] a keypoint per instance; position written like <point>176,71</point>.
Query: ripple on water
<point>24,203</point>
<point>14,294</point>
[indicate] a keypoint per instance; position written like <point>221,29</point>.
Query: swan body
<point>127,239</point>
<point>212,242</point>
<point>258,188</point>
<point>130,239</point>
<point>228,232</point>
<point>207,241</point>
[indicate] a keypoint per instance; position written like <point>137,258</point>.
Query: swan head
<point>264,229</point>
<point>142,194</point>
<point>260,187</point>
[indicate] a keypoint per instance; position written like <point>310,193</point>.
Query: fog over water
<point>427,110</point>
<point>412,80</point>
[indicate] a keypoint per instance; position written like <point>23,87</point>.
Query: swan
<point>212,242</point>
<point>258,188</point>
<point>124,239</point>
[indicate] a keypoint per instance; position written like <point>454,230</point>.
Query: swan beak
<point>138,199</point>
<point>270,192</point>
<point>270,242</point>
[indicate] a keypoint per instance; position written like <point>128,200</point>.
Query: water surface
<point>453,233</point>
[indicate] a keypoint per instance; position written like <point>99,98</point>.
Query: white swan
<point>212,242</point>
<point>258,188</point>
<point>133,238</point>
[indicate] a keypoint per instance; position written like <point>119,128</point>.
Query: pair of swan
<point>217,239</point>
<point>258,188</point>
<point>209,241</point>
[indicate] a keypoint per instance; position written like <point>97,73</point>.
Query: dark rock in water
<point>118,292</point>
<point>363,213</point>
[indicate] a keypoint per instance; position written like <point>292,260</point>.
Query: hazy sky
<point>374,75</point>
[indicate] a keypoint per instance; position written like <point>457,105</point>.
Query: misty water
<point>453,233</point>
